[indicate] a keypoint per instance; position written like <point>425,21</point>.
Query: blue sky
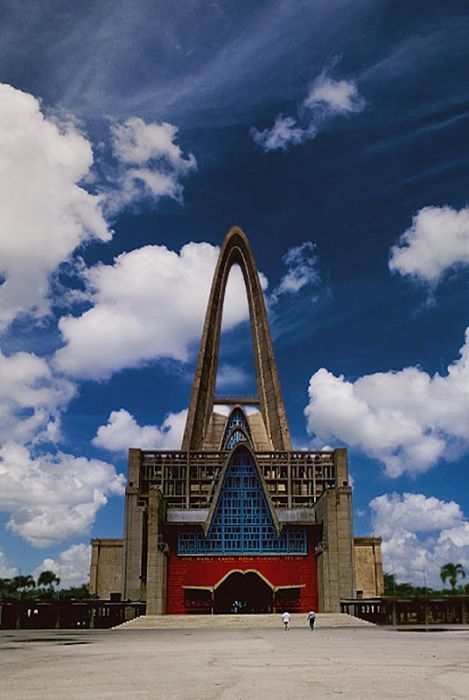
<point>133,136</point>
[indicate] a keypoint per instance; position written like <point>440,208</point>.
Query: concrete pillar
<point>335,561</point>
<point>156,558</point>
<point>133,525</point>
<point>341,466</point>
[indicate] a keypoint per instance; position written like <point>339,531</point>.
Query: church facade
<point>237,520</point>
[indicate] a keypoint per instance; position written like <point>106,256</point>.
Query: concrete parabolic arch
<point>236,251</point>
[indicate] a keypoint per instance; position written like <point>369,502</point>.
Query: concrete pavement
<point>234,664</point>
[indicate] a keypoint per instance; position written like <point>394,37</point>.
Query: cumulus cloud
<point>52,497</point>
<point>420,534</point>
<point>31,399</point>
<point>301,262</point>
<point>326,98</point>
<point>148,305</point>
<point>44,211</point>
<point>414,512</point>
<point>7,570</point>
<point>72,566</point>
<point>437,241</point>
<point>150,164</point>
<point>407,419</point>
<point>336,96</point>
<point>122,431</point>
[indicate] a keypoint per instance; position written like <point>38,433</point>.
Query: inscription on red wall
<point>208,571</point>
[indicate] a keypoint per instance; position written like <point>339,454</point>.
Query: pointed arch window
<point>237,429</point>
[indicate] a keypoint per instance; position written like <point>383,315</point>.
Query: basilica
<point>237,520</point>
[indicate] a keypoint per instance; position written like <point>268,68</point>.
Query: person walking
<point>311,617</point>
<point>286,617</point>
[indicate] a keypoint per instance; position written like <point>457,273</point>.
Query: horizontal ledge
<point>234,400</point>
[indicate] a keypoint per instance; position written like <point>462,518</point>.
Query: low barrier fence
<point>66,614</point>
<point>418,610</point>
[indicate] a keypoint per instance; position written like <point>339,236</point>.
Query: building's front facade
<point>236,521</point>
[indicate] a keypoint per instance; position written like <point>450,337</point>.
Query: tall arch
<point>236,250</point>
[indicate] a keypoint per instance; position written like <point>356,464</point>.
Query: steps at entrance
<point>167,622</point>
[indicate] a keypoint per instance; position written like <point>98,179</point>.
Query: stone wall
<point>369,581</point>
<point>106,567</point>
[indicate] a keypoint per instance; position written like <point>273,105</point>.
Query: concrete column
<point>94,567</point>
<point>133,525</point>
<point>156,559</point>
<point>341,466</point>
<point>335,562</point>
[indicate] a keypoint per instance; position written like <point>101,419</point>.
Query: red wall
<point>207,571</point>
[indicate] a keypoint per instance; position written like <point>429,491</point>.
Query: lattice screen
<point>242,523</point>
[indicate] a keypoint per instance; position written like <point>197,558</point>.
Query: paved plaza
<point>235,663</point>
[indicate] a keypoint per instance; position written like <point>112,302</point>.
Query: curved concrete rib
<point>236,250</point>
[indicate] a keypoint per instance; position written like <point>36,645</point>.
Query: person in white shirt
<point>286,617</point>
<point>311,617</point>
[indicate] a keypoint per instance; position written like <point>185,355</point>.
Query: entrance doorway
<point>243,593</point>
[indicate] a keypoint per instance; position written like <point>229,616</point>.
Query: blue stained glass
<point>236,436</point>
<point>242,522</point>
<point>232,436</point>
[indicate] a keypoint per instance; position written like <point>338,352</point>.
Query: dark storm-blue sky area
<point>215,70</point>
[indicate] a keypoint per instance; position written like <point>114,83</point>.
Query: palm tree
<point>48,578</point>
<point>451,572</point>
<point>22,582</point>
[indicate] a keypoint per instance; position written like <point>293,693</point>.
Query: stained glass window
<point>235,437</point>
<point>232,436</point>
<point>242,522</point>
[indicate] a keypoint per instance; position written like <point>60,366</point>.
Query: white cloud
<point>338,96</point>
<point>148,305</point>
<point>52,497</point>
<point>420,534</point>
<point>151,163</point>
<point>122,431</point>
<point>44,212</point>
<point>285,132</point>
<point>407,419</point>
<point>302,269</point>
<point>72,566</point>
<point>413,511</point>
<point>325,99</point>
<point>31,399</point>
<point>437,241</point>
<point>7,570</point>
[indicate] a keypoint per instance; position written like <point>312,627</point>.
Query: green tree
<point>451,572</point>
<point>389,584</point>
<point>82,592</point>
<point>5,586</point>
<point>49,579</point>
<point>21,583</point>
